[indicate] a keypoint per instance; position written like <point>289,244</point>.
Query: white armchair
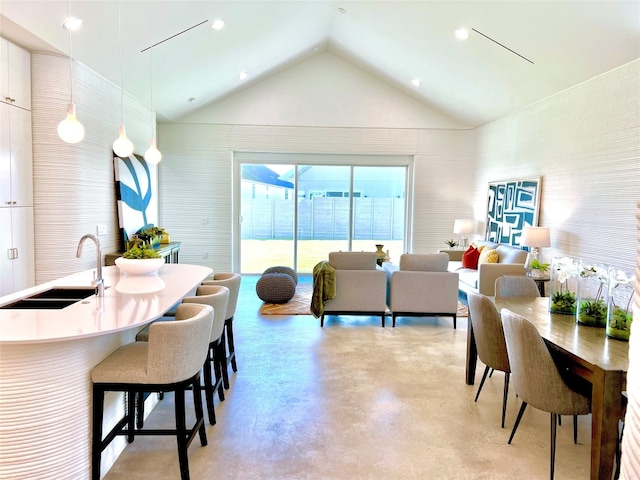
<point>423,287</point>
<point>360,286</point>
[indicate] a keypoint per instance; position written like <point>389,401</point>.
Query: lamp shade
<point>535,237</point>
<point>463,226</point>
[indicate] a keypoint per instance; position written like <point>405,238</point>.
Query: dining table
<point>588,353</point>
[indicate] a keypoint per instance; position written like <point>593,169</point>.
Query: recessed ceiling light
<point>218,24</point>
<point>416,82</point>
<point>243,75</point>
<point>462,34</point>
<point>72,24</point>
<point>192,99</point>
<point>342,10</point>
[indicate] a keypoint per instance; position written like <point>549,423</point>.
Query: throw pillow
<point>470,258</point>
<point>488,255</point>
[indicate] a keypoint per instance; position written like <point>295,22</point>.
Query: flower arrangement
<point>619,314</point>
<point>563,296</point>
<point>592,309</point>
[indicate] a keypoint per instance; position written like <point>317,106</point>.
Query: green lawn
<point>257,255</point>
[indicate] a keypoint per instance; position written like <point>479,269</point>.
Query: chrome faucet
<point>98,281</point>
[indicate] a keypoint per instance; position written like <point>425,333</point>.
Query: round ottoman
<point>275,287</point>
<point>280,269</point>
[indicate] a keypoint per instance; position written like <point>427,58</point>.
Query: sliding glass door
<point>294,214</point>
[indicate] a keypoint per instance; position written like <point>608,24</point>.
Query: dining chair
<point>516,286</point>
<point>490,342</point>
<point>232,282</point>
<point>536,377</point>
<point>217,297</point>
<point>170,361</point>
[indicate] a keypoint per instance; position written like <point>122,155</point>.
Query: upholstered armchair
<point>360,286</point>
<point>423,287</point>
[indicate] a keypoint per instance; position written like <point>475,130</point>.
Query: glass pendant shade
<point>70,130</point>
<point>123,147</point>
<point>153,155</point>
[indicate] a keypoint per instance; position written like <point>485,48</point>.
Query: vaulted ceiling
<point>518,51</point>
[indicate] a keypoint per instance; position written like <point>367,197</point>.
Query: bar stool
<point>217,297</point>
<point>170,361</point>
<point>232,282</point>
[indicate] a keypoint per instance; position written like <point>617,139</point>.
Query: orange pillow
<point>470,258</point>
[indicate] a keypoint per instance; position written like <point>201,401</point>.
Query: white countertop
<point>128,302</point>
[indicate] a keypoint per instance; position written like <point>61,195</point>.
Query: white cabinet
<point>16,158</point>
<point>17,255</point>
<point>15,75</point>
<point>17,252</point>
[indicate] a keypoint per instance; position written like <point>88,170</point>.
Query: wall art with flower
<point>136,194</point>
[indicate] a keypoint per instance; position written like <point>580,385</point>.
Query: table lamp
<point>535,238</point>
<point>463,227</point>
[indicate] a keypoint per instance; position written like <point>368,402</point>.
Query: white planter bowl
<point>144,266</point>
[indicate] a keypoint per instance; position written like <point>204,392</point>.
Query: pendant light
<point>70,130</point>
<point>122,146</point>
<point>152,155</point>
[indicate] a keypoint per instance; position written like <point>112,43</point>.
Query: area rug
<point>301,301</point>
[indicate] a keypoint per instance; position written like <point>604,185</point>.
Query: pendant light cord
<point>121,67</point>
<point>70,57</point>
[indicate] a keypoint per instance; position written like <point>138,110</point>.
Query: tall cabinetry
<point>17,265</point>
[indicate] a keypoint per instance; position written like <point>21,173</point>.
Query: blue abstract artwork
<point>511,206</point>
<point>136,194</point>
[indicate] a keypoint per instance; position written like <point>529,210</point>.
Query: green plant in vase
<point>563,302</point>
<point>620,316</point>
<point>541,267</point>
<point>451,243</point>
<point>592,312</point>
<point>563,296</point>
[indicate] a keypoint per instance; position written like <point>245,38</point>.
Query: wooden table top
<point>587,344</point>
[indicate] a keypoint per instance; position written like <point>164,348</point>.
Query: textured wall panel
<point>585,143</point>
<point>74,187</point>
<point>52,382</point>
<point>197,177</point>
<point>631,439</point>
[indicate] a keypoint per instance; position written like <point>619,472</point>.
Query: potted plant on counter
<point>140,260</point>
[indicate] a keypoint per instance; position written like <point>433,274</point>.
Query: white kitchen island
<point>46,358</point>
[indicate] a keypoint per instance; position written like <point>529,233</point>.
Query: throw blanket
<point>324,287</point>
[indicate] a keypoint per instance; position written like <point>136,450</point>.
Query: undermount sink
<point>53,299</point>
<point>65,293</point>
<point>40,304</point>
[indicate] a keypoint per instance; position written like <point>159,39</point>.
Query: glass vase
<point>620,305</point>
<point>563,286</point>
<point>593,292</point>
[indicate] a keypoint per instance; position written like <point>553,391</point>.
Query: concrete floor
<point>355,401</point>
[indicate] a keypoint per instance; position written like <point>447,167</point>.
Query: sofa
<point>421,286</point>
<point>510,261</point>
<point>360,286</point>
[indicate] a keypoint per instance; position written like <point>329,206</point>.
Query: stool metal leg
<point>208,387</point>
<point>232,349</point>
<point>181,429</point>
<point>96,443</point>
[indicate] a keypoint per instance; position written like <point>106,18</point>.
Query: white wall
<point>196,177</point>
<point>74,186</point>
<point>585,143</point>
<point>323,91</point>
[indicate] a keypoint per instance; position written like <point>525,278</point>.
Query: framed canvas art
<point>136,194</point>
<point>512,205</point>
